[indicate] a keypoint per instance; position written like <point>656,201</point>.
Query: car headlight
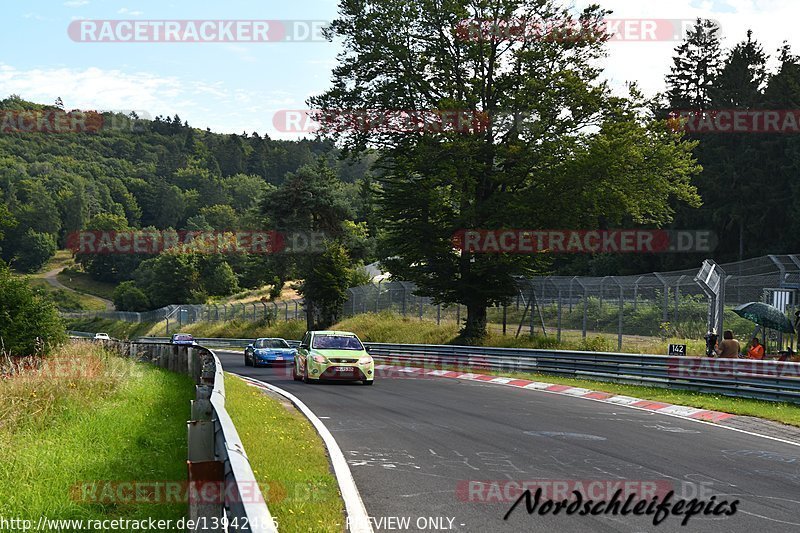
<point>365,360</point>
<point>319,359</point>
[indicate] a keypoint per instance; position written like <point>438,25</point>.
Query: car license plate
<point>343,369</point>
<point>278,358</point>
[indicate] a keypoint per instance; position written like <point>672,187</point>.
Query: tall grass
<point>244,329</point>
<point>80,281</point>
<point>66,300</point>
<point>83,416</point>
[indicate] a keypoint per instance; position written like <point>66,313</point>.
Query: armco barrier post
<point>202,409</point>
<point>201,439</point>
<point>195,365</point>
<point>203,469</point>
<point>204,511</point>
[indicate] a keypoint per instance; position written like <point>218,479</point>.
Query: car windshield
<point>182,337</point>
<point>271,343</point>
<point>336,342</point>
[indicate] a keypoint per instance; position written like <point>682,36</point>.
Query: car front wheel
<point>368,381</point>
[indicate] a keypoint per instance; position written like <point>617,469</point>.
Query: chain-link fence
<point>190,314</point>
<point>620,310</point>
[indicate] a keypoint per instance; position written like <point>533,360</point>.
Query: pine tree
<point>781,160</point>
<point>743,77</point>
<point>695,67</point>
<point>733,163</point>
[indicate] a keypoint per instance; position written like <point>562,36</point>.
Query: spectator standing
<point>729,348</point>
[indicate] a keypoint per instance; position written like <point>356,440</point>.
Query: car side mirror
<point>304,346</point>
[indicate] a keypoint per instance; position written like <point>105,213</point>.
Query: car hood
<point>274,350</point>
<point>343,354</point>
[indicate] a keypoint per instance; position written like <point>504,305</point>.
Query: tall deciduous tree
<point>29,323</point>
<point>558,149</point>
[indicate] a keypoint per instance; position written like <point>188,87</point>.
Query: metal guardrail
<point>80,334</point>
<point>207,341</point>
<point>762,380</point>
<point>252,515</point>
<point>243,512</point>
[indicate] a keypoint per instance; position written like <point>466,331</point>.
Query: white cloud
<point>126,11</point>
<point>772,22</point>
<point>76,3</point>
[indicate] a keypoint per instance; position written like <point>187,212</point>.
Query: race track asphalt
<point>418,446</point>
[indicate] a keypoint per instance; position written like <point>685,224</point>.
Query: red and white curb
<point>701,416</point>
<point>578,392</point>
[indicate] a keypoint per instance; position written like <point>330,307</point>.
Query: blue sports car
<point>266,351</point>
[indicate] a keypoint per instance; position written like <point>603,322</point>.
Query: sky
<point>236,87</point>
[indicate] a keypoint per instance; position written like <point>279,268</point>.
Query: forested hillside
<point>159,174</point>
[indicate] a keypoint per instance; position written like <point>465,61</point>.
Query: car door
<point>302,352</point>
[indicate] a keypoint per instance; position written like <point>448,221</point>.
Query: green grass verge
<point>113,420</point>
<point>241,329</point>
<point>67,300</point>
<point>62,258</point>
<point>82,282</point>
<point>288,459</point>
<point>116,328</point>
